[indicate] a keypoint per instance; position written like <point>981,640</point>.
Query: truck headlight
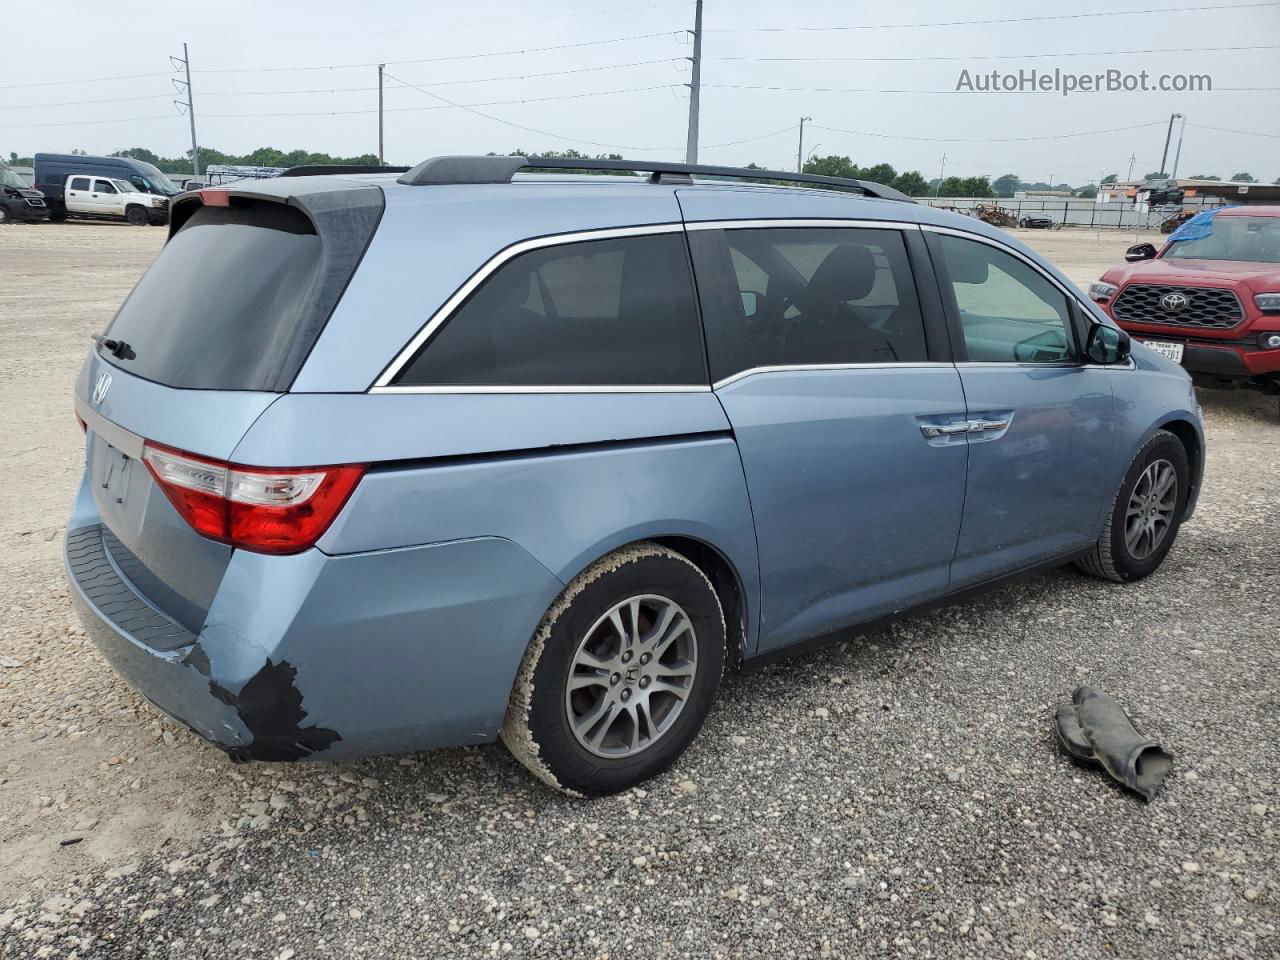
<point>157,201</point>
<point>1102,291</point>
<point>1267,302</point>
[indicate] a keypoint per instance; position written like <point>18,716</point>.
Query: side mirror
<point>1107,345</point>
<point>750,303</point>
<point>1140,251</point>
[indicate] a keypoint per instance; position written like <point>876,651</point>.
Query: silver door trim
<point>818,367</point>
<point>762,224</point>
<point>487,269</point>
<point>544,389</point>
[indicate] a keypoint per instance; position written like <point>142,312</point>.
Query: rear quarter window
<point>618,312</point>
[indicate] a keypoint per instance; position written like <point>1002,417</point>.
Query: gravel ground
<point>898,795</point>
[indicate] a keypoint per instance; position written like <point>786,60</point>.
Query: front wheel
<point>4,216</point>
<point>137,216</point>
<point>1145,515</point>
<point>620,674</point>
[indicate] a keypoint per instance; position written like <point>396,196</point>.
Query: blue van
<point>52,170</point>
<point>381,463</point>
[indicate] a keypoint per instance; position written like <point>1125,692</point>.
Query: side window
<point>1010,313</point>
<point>615,312</point>
<point>802,296</point>
<point>104,186</point>
<point>79,183</point>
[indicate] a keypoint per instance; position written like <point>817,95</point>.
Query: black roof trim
<point>444,170</point>
<point>328,169</point>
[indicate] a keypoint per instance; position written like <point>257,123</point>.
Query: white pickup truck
<point>114,199</point>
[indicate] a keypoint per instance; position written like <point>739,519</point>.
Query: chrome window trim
<point>576,388</point>
<point>487,269</point>
<point>828,367</point>
<point>838,222</point>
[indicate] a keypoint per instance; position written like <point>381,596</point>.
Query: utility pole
<point>190,106</point>
<point>1168,135</point>
<point>800,148</point>
<point>695,85</point>
<point>1133,157</point>
<point>941,171</point>
<point>381,157</point>
<point>1177,154</point>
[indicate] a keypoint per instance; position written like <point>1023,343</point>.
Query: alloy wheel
<point>631,676</point>
<point>1149,515</point>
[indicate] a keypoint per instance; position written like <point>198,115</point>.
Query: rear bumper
<point>317,656</point>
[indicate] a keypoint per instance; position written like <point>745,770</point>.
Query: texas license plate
<point>1171,350</point>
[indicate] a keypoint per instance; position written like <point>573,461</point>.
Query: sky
<point>879,81</point>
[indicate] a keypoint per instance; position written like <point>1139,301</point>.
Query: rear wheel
<point>137,216</point>
<point>620,674</point>
<point>1145,515</point>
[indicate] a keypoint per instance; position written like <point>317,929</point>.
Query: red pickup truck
<point>1209,298</point>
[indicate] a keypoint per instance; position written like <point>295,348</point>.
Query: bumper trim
<point>94,572</point>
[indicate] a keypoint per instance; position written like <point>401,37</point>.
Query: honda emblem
<point>100,388</point>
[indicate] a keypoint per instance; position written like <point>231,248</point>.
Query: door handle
<point>932,430</point>
<point>988,426</point>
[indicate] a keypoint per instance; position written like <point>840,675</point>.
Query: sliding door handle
<point>932,430</point>
<point>988,426</point>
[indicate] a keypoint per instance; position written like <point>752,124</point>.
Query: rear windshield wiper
<point>117,348</point>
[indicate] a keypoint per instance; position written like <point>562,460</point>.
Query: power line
<point>1247,133</point>
<point>444,106</point>
<point>55,83</point>
<point>1052,136</point>
<point>1000,56</point>
<point>85,123</point>
<point>436,28</point>
<point>73,103</point>
<point>559,136</point>
<point>454,57</point>
<point>444,83</point>
<point>997,20</point>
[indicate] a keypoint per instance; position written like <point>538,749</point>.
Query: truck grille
<point>34,201</point>
<point>1210,307</point>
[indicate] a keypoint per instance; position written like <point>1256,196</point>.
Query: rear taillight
<point>256,508</point>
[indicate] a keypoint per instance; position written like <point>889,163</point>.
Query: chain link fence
<point>1080,212</point>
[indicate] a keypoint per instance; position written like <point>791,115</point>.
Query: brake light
<point>255,508</point>
<point>215,198</point>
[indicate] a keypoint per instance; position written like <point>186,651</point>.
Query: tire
<point>1122,556</point>
<point>552,729</point>
<point>137,216</point>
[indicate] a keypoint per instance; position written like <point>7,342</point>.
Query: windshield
<point>124,186</point>
<point>1246,239</point>
<point>158,179</point>
<point>11,179</point>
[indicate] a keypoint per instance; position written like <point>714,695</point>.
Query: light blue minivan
<point>381,463</point>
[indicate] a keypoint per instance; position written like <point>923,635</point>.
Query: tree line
<point>910,182</point>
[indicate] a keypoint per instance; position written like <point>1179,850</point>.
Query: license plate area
<point>1166,348</point>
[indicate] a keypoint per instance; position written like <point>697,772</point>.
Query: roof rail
<point>446,170</point>
<point>326,169</point>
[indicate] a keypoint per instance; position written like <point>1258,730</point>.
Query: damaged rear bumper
<point>318,656</point>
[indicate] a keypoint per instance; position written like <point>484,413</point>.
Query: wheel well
<point>1186,433</point>
<point>728,588</point>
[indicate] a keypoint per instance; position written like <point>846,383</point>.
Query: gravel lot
<point>899,795</point>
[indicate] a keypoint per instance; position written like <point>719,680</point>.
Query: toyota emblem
<point>100,388</point>
<point>1173,303</point>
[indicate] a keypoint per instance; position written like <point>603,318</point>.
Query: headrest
<point>847,273</point>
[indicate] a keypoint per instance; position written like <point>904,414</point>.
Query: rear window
<point>220,307</point>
